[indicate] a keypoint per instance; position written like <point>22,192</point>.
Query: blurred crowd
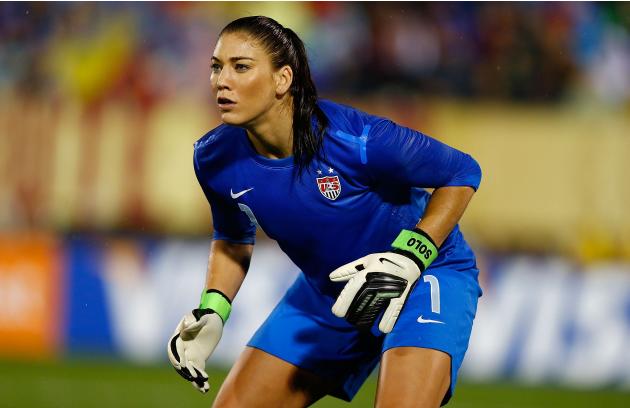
<point>100,103</point>
<point>542,52</point>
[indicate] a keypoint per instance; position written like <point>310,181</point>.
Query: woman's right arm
<point>227,266</point>
<point>234,233</point>
<point>199,332</point>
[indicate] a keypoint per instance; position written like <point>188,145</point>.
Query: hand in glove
<point>196,336</point>
<point>382,281</point>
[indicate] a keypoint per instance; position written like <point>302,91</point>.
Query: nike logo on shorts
<point>423,320</point>
<point>240,193</point>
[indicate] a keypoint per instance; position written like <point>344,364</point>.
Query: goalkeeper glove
<point>196,337</point>
<point>382,281</point>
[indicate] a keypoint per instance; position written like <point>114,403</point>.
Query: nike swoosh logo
<point>390,261</point>
<point>240,193</point>
<point>422,320</point>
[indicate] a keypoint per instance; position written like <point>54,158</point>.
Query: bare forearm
<point>227,266</point>
<point>444,210</point>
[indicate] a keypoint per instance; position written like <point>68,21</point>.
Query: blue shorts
<point>438,315</point>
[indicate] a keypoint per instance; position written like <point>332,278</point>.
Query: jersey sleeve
<point>399,155</point>
<point>230,223</point>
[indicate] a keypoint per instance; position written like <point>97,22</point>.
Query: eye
<point>215,68</point>
<point>241,67</point>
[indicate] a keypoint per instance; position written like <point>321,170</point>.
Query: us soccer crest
<point>329,186</point>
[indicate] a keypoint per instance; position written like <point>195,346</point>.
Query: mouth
<point>225,103</point>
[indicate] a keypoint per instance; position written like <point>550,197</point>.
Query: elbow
<point>475,172</point>
<point>240,253</point>
<point>468,174</point>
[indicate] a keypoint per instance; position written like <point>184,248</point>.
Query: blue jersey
<point>353,200</point>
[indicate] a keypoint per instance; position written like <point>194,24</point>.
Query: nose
<point>223,80</point>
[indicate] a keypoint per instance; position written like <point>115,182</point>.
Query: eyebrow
<point>234,58</point>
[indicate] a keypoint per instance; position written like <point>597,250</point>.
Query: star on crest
<point>331,170</point>
<point>319,172</point>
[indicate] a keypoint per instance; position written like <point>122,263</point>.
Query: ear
<point>283,79</point>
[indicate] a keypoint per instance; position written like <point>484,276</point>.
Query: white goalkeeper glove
<point>196,336</point>
<point>382,281</point>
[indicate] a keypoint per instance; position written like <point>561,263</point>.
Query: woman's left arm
<point>443,211</point>
<point>399,154</point>
<point>389,276</point>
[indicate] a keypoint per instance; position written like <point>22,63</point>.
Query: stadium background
<point>104,231</point>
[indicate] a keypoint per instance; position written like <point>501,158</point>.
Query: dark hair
<point>286,48</point>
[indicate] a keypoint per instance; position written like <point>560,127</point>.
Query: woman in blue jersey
<point>386,274</point>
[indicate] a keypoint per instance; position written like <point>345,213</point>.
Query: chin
<point>235,119</point>
<point>229,118</point>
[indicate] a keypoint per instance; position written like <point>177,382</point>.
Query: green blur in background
<point>117,384</point>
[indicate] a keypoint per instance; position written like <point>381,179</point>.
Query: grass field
<point>115,384</point>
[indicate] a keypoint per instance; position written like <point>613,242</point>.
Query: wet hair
<point>286,48</point>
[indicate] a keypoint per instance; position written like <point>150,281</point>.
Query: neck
<point>272,133</point>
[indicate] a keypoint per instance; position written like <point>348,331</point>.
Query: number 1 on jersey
<point>435,292</point>
<point>249,212</point>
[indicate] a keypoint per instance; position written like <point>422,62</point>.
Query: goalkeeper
<point>386,274</point>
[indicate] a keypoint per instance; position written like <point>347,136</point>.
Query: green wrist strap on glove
<point>418,243</point>
<point>217,302</point>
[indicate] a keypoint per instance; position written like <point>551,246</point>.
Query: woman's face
<point>242,79</point>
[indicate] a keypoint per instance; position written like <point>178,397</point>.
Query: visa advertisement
<point>540,320</point>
